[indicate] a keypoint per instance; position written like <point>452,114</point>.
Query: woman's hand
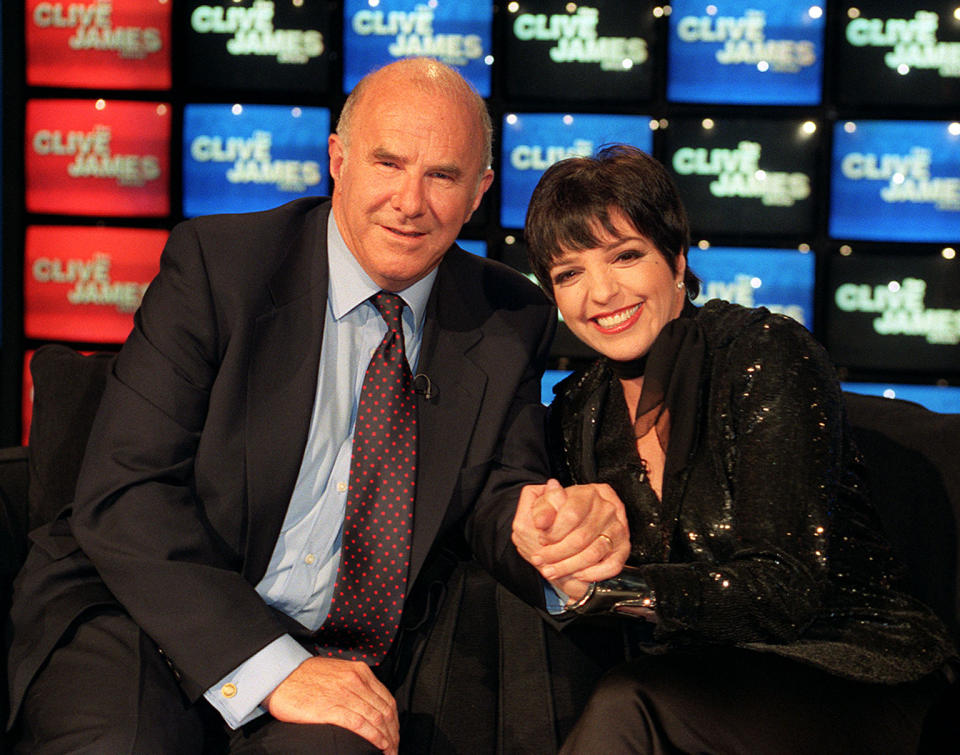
<point>573,536</point>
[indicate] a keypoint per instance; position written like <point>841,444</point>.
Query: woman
<point>758,604</point>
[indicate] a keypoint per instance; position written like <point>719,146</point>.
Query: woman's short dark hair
<point>576,194</point>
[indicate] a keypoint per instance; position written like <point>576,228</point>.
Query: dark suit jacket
<point>200,434</point>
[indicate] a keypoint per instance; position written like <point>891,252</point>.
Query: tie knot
<point>390,307</point>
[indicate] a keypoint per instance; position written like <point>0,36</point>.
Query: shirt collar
<point>350,285</point>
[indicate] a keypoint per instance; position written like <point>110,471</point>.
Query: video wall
<point>816,144</point>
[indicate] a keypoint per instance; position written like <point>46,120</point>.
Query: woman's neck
<point>632,388</point>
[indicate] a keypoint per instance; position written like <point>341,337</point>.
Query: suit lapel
<point>446,420</point>
<point>282,382</point>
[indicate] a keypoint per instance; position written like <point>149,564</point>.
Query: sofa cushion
<point>911,458</point>
<point>67,387</point>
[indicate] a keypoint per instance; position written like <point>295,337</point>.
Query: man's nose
<point>408,199</point>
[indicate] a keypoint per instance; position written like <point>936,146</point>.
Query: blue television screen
<point>892,53</point>
<point>550,379</point>
<point>601,51</point>
<point>745,176</point>
<point>782,280</point>
<point>473,246</point>
<point>894,312</point>
<point>240,158</point>
<point>896,181</point>
<point>455,32</point>
<point>937,398</point>
<point>532,142</point>
<point>746,52</point>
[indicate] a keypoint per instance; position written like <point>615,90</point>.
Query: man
<point>201,556</point>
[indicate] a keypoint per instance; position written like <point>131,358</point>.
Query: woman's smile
<point>617,322</point>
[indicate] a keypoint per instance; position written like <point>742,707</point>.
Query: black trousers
<point>727,700</point>
<point>107,690</point>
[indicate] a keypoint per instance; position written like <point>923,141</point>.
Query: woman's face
<point>617,297</point>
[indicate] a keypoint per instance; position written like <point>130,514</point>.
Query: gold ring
<point>606,537</point>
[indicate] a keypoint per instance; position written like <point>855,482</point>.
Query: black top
<point>765,537</point>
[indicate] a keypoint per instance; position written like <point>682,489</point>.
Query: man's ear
<point>337,153</point>
<point>485,180</point>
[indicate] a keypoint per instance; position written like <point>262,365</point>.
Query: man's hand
<point>573,536</point>
<point>343,693</point>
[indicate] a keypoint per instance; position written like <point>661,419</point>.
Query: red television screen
<point>84,283</point>
<point>122,44</point>
<point>98,157</point>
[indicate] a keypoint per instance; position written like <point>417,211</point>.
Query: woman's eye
<point>628,256</point>
<point>564,276</point>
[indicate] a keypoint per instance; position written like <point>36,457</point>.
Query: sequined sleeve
<point>752,534</point>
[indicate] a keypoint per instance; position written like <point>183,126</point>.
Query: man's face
<point>408,180</point>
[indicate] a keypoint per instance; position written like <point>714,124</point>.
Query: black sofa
<point>461,702</point>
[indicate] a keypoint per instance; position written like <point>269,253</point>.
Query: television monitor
<point>83,283</point>
<point>893,53</point>
<point>455,32</point>
<point>265,45</point>
<point>895,181</point>
<point>532,142</point>
<point>473,246</point>
<point>937,398</point>
<point>123,44</point>
<point>97,157</point>
<point>894,312</point>
<point>602,51</point>
<point>550,379</point>
<point>745,176</point>
<point>746,52</point>
<point>241,158</point>
<point>782,280</point>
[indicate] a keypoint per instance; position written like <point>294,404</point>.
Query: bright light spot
<point>371,3</point>
<point>898,178</point>
<point>707,123</point>
<point>893,286</point>
<point>755,283</point>
<point>488,60</point>
<point>948,253</point>
<point>809,127</point>
<point>760,175</point>
<point>954,129</point>
<point>161,109</point>
<point>846,250</point>
<point>100,104</point>
<point>815,11</point>
<point>510,240</point>
<point>627,64</point>
<point>763,66</point>
<point>889,393</point>
<point>511,119</point>
<point>658,12</point>
<point>237,109</point>
<point>296,112</point>
<point>804,249</point>
<point>711,10</point>
<point>571,7</point>
<point>850,127</point>
<point>654,124</point>
<point>568,120</point>
<point>853,12</point>
<point>513,7</point>
<point>703,244</point>
<point>903,69</point>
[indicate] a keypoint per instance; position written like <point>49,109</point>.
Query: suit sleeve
<point>522,460</point>
<point>137,514</point>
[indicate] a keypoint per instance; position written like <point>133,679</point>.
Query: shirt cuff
<point>238,695</point>
<point>555,599</point>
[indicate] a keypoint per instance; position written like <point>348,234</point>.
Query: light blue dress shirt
<point>303,568</point>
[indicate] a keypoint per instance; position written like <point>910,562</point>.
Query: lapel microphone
<point>423,386</point>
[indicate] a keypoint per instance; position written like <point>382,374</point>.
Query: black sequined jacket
<point>765,537</point>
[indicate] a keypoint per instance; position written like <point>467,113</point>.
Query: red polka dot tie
<point>371,583</point>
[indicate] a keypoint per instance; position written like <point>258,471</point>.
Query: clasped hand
<point>573,536</point>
